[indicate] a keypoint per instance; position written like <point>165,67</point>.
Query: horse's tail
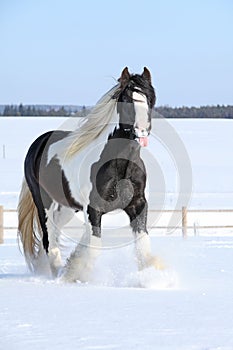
<point>29,229</point>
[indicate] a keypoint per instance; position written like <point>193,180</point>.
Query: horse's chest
<point>112,187</point>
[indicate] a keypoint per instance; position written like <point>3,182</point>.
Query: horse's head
<point>135,101</point>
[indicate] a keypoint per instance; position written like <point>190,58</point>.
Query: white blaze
<point>141,111</point>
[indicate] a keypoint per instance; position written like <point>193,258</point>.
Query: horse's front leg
<point>137,212</point>
<point>81,262</point>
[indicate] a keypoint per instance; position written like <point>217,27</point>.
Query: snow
<point>112,313</point>
<point>188,306</point>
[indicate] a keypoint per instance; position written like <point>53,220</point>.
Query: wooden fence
<point>183,215</point>
<point>1,224</point>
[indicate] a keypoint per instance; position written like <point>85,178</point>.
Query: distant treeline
<point>42,111</point>
<point>223,112</point>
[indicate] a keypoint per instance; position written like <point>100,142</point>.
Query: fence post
<point>1,225</point>
<point>184,222</point>
<point>3,151</point>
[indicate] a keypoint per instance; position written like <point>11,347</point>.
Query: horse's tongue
<point>143,141</point>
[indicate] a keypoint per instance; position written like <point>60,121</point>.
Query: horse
<point>96,168</point>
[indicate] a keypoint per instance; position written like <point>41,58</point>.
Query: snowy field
<point>188,306</point>
<point>194,312</point>
<point>208,145</point>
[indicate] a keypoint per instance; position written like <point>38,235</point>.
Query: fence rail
<point>184,225</point>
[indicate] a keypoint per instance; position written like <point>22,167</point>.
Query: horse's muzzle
<point>142,136</point>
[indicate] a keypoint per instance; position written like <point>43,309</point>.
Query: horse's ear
<point>125,76</point>
<point>146,75</point>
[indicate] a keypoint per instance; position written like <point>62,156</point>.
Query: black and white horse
<point>97,169</point>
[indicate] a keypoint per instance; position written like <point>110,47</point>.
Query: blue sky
<point>70,51</point>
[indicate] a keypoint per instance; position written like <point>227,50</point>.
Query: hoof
<point>64,278</point>
<point>157,262</point>
<point>153,261</point>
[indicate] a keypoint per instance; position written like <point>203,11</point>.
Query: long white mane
<point>94,123</point>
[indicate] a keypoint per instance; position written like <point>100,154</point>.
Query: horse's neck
<point>120,133</point>
<point>121,144</point>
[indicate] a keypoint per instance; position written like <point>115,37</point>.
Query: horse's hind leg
<point>81,262</point>
<point>52,218</point>
<point>57,217</point>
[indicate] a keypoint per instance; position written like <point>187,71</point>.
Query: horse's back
<point>38,149</point>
